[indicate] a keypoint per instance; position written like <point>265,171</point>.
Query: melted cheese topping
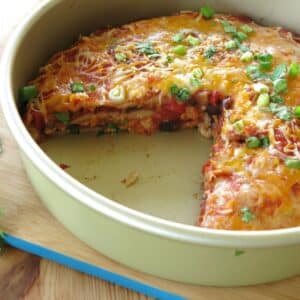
<point>235,177</point>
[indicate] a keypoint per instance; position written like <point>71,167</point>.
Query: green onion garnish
<point>228,27</point>
<point>277,99</point>
<point>178,37</point>
<point>92,88</point>
<point>247,29</point>
<point>27,93</point>
<point>265,141</point>
<point>193,41</point>
<point>198,73</point>
<point>244,48</point>
<point>180,50</point>
<point>230,45</point>
<point>292,163</point>
<point>279,72</point>
<point>147,49</point>
<point>210,52</point>
<point>181,94</point>
<point>247,57</point>
<point>254,72</point>
<point>263,100</point>
<point>239,125</point>
<point>264,57</point>
<point>240,36</point>
<point>297,111</point>
<point>294,70</point>
<point>281,111</point>
<point>120,57</point>
<point>239,252</point>
<point>195,82</point>
<point>253,142</point>
<point>63,117</point>
<point>207,12</point>
<point>167,60</point>
<point>280,86</point>
<point>265,60</point>
<point>77,87</point>
<point>247,215</point>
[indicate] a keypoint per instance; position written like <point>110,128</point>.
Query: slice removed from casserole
<point>231,78</point>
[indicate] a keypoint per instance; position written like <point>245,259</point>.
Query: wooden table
<point>25,276</point>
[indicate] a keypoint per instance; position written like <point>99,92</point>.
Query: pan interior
<point>168,166</point>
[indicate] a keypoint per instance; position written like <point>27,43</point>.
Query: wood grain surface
<point>25,276</point>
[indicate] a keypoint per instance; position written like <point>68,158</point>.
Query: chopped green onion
<point>120,57</point>
<point>228,27</point>
<point>279,72</point>
<point>179,50</point>
<point>247,29</point>
<point>27,93</point>
<point>231,45</point>
<point>277,99</point>
<point>92,88</point>
<point>74,129</point>
<point>264,57</point>
<point>265,65</point>
<point>147,49</point>
<point>247,215</point>
<point>239,125</point>
<point>252,142</point>
<point>181,94</point>
<point>280,86</point>
<point>247,57</point>
<point>239,252</point>
<point>193,41</point>
<point>178,37</point>
<point>198,73</point>
<point>210,52</point>
<point>265,60</point>
<point>254,72</point>
<point>167,60</point>
<point>297,111</point>
<point>244,48</point>
<point>265,141</point>
<point>241,36</point>
<point>292,163</point>
<point>63,117</point>
<point>294,70</point>
<point>281,111</point>
<point>117,94</point>
<point>207,12</point>
<point>195,82</point>
<point>77,87</point>
<point>263,100</point>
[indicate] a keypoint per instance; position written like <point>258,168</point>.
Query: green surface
<point>168,164</point>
